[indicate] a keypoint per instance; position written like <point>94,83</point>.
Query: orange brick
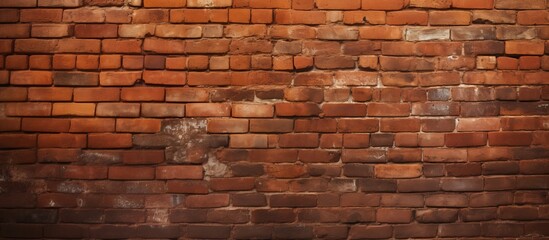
<point>271,4</point>
<point>141,125</point>
<point>338,5</point>
<point>252,110</point>
<point>62,140</point>
<point>162,110</point>
<point>228,125</point>
<point>31,78</point>
<point>382,5</point>
<point>87,62</point>
<point>407,18</point>
<point>449,18</point>
<point>96,94</point>
<point>74,109</point>
<point>142,94</point>
<point>208,110</point>
<point>50,94</point>
<point>262,16</point>
<point>164,3</point>
<point>524,47</point>
<point>212,3</point>
<point>481,4</point>
<point>91,125</point>
<point>165,77</point>
<point>239,15</point>
<point>381,32</point>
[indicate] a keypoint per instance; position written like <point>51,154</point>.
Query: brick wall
<point>286,119</point>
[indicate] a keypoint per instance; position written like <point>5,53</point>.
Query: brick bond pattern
<point>287,119</point>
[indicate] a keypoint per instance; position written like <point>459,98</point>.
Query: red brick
<point>249,141</point>
<point>344,110</point>
<point>510,138</point>
<point>10,124</point>
<point>18,3</point>
<point>398,171</point>
<point>88,125</point>
<point>331,140</point>
<point>507,63</point>
<point>50,94</point>
<point>121,46</point>
<point>45,125</point>
<point>85,172</point>
<point>28,109</point>
<point>13,94</point>
<point>118,109</point>
<point>186,186</point>
<point>208,110</point>
<point>142,94</point>
<point>359,17</point>
<point>478,124</point>
<point>393,215</point>
<point>271,125</point>
<point>227,125</point>
<point>16,62</point>
<point>162,110</point>
<point>232,184</point>
<point>296,109</point>
<point>465,139</point>
<point>119,78</point>
<point>137,157</point>
<point>17,140</point>
<point>315,125</point>
<point>96,31</point>
<point>78,46</point>
<point>207,201</point>
<point>150,15</point>
<point>299,17</point>
<point>179,172</point>
<point>15,30</point>
<point>131,173</point>
<point>56,200</point>
<point>108,140</point>
<point>62,141</point>
<point>40,62</point>
<point>298,140</point>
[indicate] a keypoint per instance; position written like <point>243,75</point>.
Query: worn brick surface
<point>274,119</point>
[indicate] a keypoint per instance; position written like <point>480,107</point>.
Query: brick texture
<point>274,119</point>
